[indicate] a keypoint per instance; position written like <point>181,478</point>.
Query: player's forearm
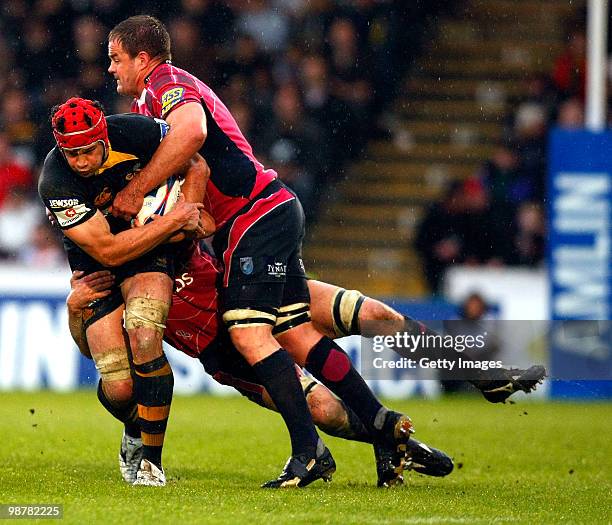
<point>77,330</point>
<point>177,148</point>
<point>115,250</point>
<point>196,175</point>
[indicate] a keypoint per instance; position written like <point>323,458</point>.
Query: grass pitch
<point>521,463</point>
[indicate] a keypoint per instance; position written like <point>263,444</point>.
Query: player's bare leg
<point>109,349</point>
<point>310,459</point>
<point>147,298</point>
<point>344,312</point>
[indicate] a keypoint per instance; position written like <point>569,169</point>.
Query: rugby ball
<point>160,200</point>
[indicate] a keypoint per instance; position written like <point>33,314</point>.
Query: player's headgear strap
<point>83,124</point>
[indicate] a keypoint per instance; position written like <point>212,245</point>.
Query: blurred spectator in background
<point>439,238</point>
<point>571,114</point>
<point>503,179</point>
<point>43,249</point>
<point>530,141</point>
<point>268,25</point>
<point>19,215</point>
<point>569,72</point>
<point>480,232</point>
<point>459,230</point>
<point>350,85</point>
<point>13,173</point>
<point>528,232</point>
<point>186,46</point>
<point>16,122</point>
<point>300,142</point>
<point>473,320</point>
<point>285,157</point>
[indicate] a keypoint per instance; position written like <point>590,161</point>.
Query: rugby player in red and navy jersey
<point>260,224</point>
<point>93,159</point>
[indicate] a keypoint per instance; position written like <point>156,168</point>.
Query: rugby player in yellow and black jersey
<point>94,158</point>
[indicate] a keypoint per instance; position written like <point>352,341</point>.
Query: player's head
<point>80,131</point>
<point>135,47</point>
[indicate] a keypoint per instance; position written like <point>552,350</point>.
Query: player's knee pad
<point>114,365</point>
<point>308,383</point>
<point>141,312</point>
<point>291,316</point>
<point>245,317</point>
<point>346,305</point>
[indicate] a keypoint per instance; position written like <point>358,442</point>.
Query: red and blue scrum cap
<point>78,123</point>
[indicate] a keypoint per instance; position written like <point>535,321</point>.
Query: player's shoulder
<point>127,130</point>
<point>167,75</point>
<point>125,124</point>
<point>55,172</point>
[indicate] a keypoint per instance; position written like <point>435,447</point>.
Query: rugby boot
<point>130,455</point>
<point>390,450</point>
<point>301,471</point>
<point>427,460</point>
<point>150,475</point>
<point>506,381</point>
<point>389,465</point>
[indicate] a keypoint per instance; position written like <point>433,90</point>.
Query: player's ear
<point>143,59</point>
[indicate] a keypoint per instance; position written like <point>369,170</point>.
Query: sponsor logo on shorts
<point>171,98</point>
<point>246,265</point>
<point>63,203</point>
<point>302,265</point>
<point>277,269</point>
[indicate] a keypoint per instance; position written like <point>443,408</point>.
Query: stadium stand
<point>451,122</point>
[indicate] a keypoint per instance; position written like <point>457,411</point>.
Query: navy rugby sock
<point>278,375</point>
<point>153,385</point>
<point>330,365</point>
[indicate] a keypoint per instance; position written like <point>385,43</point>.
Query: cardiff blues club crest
<point>246,265</point>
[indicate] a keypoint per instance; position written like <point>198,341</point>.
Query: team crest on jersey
<point>170,98</point>
<point>103,198</point>
<point>246,265</point>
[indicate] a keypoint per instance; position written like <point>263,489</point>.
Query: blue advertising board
<point>580,254</point>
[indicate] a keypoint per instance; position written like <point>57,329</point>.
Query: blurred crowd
<point>305,80</point>
<point>496,217</point>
